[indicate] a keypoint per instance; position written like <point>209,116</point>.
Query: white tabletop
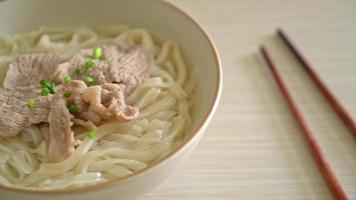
<point>253,148</point>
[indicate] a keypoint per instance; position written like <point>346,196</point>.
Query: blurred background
<point>253,148</point>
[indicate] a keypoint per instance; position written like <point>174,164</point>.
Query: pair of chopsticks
<point>326,171</point>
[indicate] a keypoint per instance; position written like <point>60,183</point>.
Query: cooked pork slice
<point>116,104</point>
<point>130,66</point>
<point>121,65</point>
<point>60,140</point>
<point>97,103</point>
<point>111,104</point>
<point>28,70</point>
<point>16,113</point>
<point>92,116</point>
<point>87,124</point>
<point>74,87</point>
<point>92,95</point>
<point>72,91</point>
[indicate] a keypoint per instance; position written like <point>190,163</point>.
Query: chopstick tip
<point>262,49</point>
<point>280,32</point>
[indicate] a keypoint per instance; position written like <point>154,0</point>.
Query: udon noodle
<point>120,149</point>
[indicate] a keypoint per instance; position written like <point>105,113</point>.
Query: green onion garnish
<point>31,103</point>
<point>89,64</point>
<point>47,86</point>
<point>45,83</point>
<point>91,133</point>
<point>45,91</point>
<point>78,72</point>
<point>67,79</point>
<point>67,94</point>
<point>73,108</point>
<point>97,53</point>
<point>89,81</point>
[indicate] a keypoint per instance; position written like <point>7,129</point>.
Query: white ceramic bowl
<point>158,16</point>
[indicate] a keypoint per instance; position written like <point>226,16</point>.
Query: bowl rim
<point>181,147</point>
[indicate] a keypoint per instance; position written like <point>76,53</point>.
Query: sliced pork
<point>15,112</point>
<point>108,101</point>
<point>115,102</point>
<point>60,139</point>
<point>29,69</point>
<point>127,66</point>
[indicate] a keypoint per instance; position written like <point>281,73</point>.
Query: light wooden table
<point>253,148</point>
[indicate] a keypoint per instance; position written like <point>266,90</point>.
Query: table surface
<point>253,148</point>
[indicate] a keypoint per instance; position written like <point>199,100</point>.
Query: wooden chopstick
<point>319,157</point>
<point>330,97</point>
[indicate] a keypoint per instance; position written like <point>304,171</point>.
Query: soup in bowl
<point>100,99</point>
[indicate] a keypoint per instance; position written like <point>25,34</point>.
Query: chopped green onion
<point>89,64</point>
<point>89,81</point>
<point>78,72</point>
<point>31,103</point>
<point>67,79</point>
<point>73,108</point>
<point>45,83</point>
<point>67,94</point>
<point>45,91</point>
<point>47,86</point>
<point>91,133</point>
<point>97,53</point>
